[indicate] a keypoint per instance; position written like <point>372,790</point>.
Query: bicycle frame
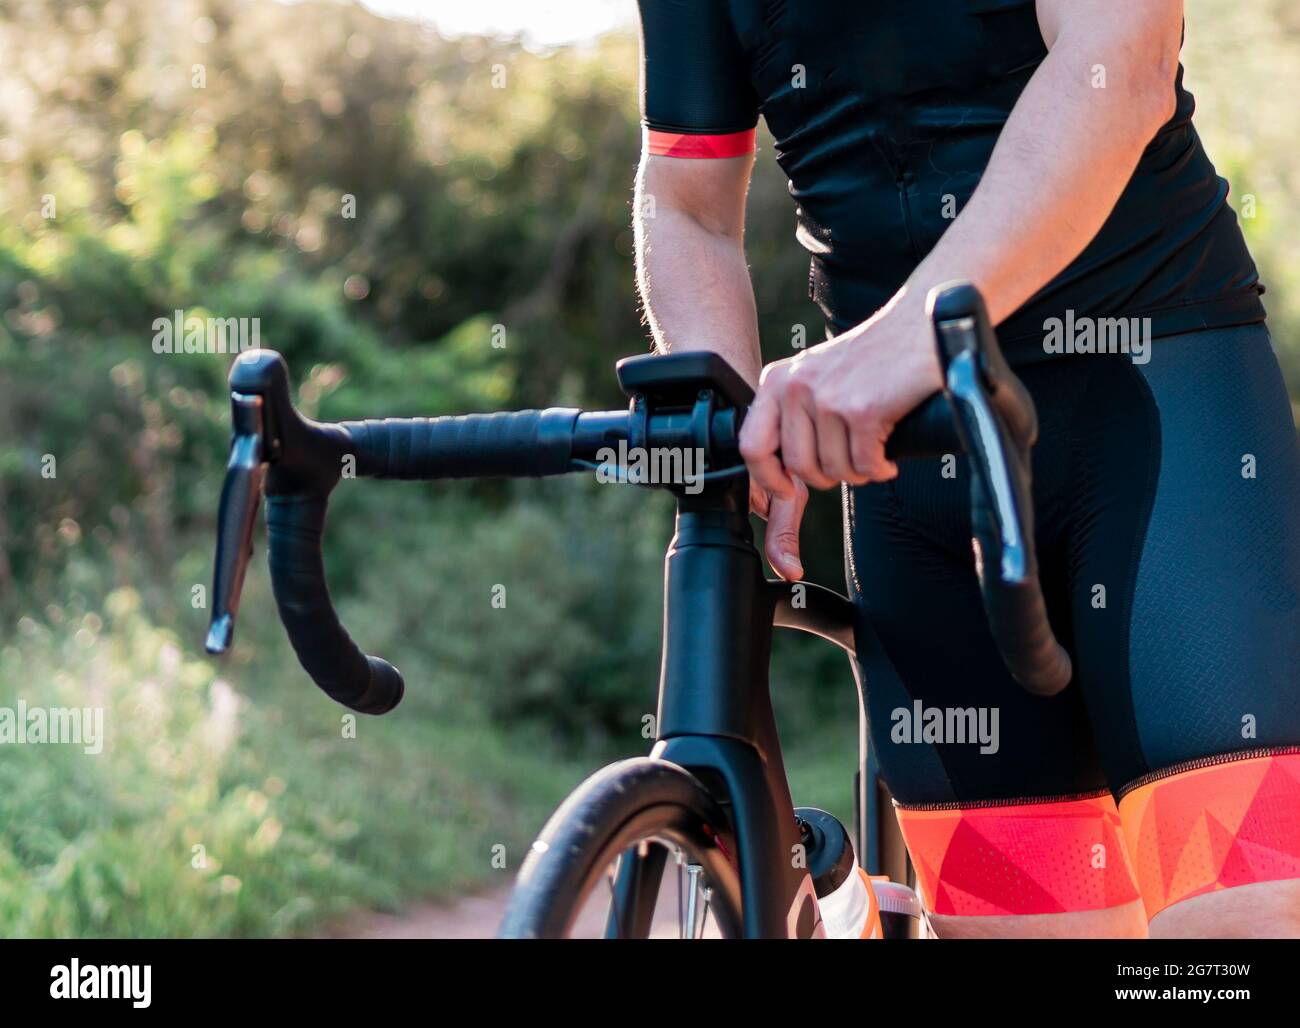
<point>715,715</point>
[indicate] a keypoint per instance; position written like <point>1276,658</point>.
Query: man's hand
<point>823,417</point>
<point>783,517</point>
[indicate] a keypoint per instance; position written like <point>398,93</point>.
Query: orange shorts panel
<point>1032,857</point>
<point>1233,822</point>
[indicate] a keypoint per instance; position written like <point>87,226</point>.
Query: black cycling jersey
<point>885,115</point>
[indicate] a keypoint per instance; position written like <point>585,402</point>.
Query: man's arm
<point>695,285</point>
<point>1064,157</point>
<point>689,223</point>
<point>1067,151</point>
<point>699,111</point>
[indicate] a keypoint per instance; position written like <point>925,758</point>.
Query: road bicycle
<point>712,794</point>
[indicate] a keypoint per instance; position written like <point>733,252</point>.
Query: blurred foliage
<point>387,203</point>
<point>1243,65</point>
<point>211,813</point>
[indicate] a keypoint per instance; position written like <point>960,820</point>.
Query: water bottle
<point>844,895</point>
<point>853,904</point>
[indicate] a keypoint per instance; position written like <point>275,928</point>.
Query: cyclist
<point>1044,151</point>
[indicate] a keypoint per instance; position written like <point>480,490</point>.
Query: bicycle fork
<point>715,717</point>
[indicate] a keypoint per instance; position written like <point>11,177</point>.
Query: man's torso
<point>885,115</point>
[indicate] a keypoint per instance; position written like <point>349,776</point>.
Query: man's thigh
<point>1190,668</point>
<point>1171,567</point>
<point>1001,799</point>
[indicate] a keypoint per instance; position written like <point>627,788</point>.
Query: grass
<point>821,771</point>
<point>211,812</point>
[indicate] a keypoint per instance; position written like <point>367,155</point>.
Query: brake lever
<point>998,426</point>
<point>978,426</point>
<point>241,492</point>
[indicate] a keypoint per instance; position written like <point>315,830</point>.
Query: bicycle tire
<point>618,807</point>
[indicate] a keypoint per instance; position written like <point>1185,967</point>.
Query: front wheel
<point>607,845</point>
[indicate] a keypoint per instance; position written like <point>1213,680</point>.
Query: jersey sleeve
<point>696,96</point>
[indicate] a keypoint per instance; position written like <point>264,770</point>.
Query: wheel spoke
<point>681,894</point>
<point>695,912</point>
<point>611,910</point>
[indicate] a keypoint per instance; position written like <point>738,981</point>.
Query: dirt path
<point>479,916</point>
<point>472,917</point>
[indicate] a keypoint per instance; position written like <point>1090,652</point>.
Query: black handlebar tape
<point>1013,594</point>
<point>1013,600</point>
<point>294,525</point>
<point>519,444</point>
<point>1016,609</point>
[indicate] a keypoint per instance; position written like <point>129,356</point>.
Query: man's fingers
<point>799,448</point>
<point>867,450</point>
<point>781,543</point>
<point>760,440</point>
<point>833,450</point>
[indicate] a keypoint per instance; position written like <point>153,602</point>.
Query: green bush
<point>212,811</point>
